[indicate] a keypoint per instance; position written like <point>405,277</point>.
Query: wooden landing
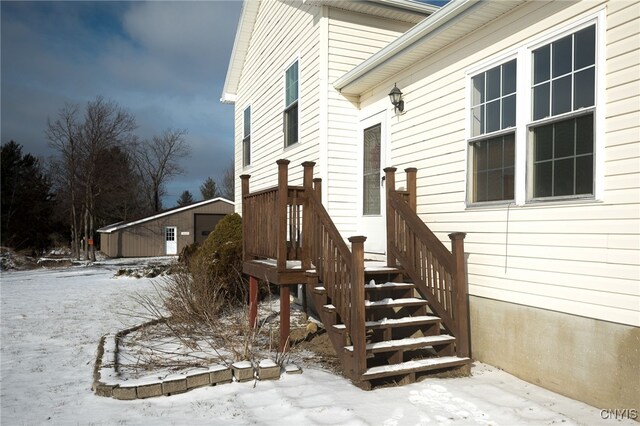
<point>267,270</point>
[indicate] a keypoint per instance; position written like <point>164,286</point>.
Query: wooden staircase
<point>404,339</point>
<point>387,325</point>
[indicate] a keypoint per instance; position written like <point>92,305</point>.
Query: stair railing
<point>290,223</point>
<point>438,273</point>
<point>272,220</point>
<point>341,270</point>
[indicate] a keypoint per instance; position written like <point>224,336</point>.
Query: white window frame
<point>286,106</point>
<point>501,60</point>
<point>523,53</point>
<point>247,106</point>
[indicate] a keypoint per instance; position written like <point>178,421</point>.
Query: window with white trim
<point>246,137</point>
<point>492,143</point>
<point>291,105</point>
<point>545,125</point>
<point>561,132</point>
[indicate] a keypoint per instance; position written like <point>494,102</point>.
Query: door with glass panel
<point>372,207</point>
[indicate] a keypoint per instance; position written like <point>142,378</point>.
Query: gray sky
<point>163,61</point>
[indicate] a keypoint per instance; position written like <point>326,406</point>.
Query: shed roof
<point>125,224</point>
<point>402,10</point>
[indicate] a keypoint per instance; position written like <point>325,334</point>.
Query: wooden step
<point>394,303</point>
<point>425,364</point>
<point>388,286</point>
<point>393,323</point>
<point>407,344</point>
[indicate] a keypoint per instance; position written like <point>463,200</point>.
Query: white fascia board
<point>116,226</point>
<point>248,17</point>
<point>445,15</point>
<point>411,5</point>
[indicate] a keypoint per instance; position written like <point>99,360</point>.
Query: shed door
<point>171,240</point>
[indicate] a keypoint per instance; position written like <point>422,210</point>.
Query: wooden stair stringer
<point>336,335</point>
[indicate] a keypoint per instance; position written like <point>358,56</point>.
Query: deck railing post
<point>281,214</point>
<point>317,186</point>
<point>460,296</point>
<point>306,224</point>
<point>358,334</point>
<point>245,217</point>
<point>390,184</point>
<point>412,187</point>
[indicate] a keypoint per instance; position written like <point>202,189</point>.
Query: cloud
<point>164,61</point>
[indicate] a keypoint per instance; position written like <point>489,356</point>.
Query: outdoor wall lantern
<point>396,98</point>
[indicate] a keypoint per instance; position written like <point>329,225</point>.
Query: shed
<point>164,233</point>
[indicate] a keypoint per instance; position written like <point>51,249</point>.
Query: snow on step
<point>391,321</point>
<point>393,302</point>
<point>410,341</point>
<point>416,365</point>
<point>372,284</point>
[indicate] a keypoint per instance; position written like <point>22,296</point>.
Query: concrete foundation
<point>593,361</point>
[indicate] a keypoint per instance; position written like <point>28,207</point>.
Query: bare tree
<point>158,160</point>
<point>228,183</point>
<point>64,136</point>
<point>80,144</point>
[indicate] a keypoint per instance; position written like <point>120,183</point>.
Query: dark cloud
<point>164,61</point>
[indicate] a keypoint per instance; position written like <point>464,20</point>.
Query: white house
<point>523,120</point>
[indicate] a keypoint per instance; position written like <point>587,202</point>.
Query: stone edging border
<point>106,380</point>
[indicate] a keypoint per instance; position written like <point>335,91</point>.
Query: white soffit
<point>454,21</point>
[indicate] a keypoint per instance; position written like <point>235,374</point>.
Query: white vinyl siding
<point>283,33</point>
<point>352,38</point>
<point>581,257</point>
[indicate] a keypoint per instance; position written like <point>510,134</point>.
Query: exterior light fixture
<point>395,95</point>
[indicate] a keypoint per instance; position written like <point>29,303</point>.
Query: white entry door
<point>372,193</point>
<point>171,240</point>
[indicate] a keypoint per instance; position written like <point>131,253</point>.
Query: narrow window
<point>291,105</point>
<point>563,91</point>
<point>492,143</point>
<point>371,171</point>
<point>246,139</point>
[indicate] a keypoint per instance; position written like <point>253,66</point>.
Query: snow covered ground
<point>52,321</point>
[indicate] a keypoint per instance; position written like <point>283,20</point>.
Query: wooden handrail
<point>438,273</point>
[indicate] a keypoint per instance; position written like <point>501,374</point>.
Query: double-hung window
<point>492,142</point>
<point>545,123</point>
<point>246,138</point>
<point>563,108</point>
<point>291,105</point>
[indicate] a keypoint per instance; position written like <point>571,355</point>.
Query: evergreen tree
<point>185,198</point>
<point>26,200</point>
<point>209,189</point>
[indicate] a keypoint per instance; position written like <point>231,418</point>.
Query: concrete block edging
<point>107,381</point>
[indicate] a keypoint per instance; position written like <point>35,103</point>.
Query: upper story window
<point>492,143</point>
<point>291,105</point>
<point>246,137</point>
<point>563,107</point>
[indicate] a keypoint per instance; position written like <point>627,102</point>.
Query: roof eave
<point>445,15</point>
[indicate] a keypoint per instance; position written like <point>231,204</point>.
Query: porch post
<point>412,187</point>
<point>245,225</point>
<point>460,296</point>
<point>285,313</point>
<point>317,186</point>
<point>358,333</point>
<point>306,224</point>
<point>253,301</point>
<point>281,213</point>
<point>390,182</point>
